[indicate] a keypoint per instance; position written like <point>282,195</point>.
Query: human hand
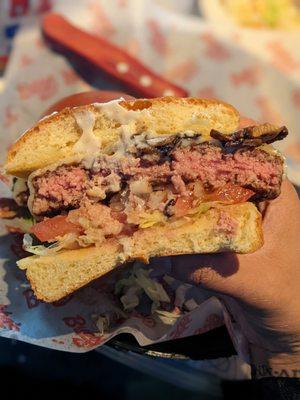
<point>261,290</point>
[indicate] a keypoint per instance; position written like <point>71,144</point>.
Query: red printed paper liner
<point>193,55</point>
<point>69,324</point>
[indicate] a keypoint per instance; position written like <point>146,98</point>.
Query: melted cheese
<point>88,143</point>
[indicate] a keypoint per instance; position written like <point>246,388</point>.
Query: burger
<point>103,184</point>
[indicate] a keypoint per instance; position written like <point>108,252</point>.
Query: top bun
<point>53,138</point>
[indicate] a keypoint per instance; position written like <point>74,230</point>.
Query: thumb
<point>237,275</point>
<point>218,272</point>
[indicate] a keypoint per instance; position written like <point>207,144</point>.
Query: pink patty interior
<point>256,169</point>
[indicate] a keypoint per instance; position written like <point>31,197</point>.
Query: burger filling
<point>156,180</point>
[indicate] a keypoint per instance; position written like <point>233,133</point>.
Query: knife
<point>108,58</point>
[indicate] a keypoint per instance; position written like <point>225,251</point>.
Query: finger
<point>225,273</point>
<point>282,215</point>
<point>237,275</point>
<point>80,99</point>
<point>218,272</point>
<point>286,203</point>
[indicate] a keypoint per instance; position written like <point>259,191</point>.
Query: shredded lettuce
<point>124,283</point>
<point>103,323</point>
<point>148,219</point>
<point>153,289</point>
<point>132,288</point>
<point>180,295</point>
<point>42,250</point>
<point>152,218</point>
<point>24,224</point>
<point>139,290</point>
<point>155,306</point>
<point>131,298</point>
<point>157,217</point>
<point>167,317</point>
<point>19,185</point>
<point>201,209</point>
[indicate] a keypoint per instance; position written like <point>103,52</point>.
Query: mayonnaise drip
<point>130,135</point>
<point>126,118</point>
<point>87,143</point>
<point>114,111</point>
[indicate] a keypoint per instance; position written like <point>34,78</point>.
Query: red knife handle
<point>109,58</point>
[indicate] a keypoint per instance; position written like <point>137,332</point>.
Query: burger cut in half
<point>108,183</point>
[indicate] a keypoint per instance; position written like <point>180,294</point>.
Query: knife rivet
<point>145,80</point>
<point>122,67</point>
<point>168,92</point>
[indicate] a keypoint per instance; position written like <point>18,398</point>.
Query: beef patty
<point>170,164</point>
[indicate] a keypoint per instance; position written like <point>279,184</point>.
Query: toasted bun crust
<point>53,277</point>
<point>52,139</point>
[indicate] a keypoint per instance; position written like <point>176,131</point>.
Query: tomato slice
<point>183,205</point>
<point>231,194</point>
<point>51,228</point>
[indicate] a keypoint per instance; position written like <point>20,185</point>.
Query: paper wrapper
<point>36,78</point>
<point>69,324</point>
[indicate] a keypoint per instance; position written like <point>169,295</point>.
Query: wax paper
<point>188,51</point>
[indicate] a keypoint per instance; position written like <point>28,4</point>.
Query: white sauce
<point>88,143</point>
<point>126,118</point>
<point>129,137</point>
<point>114,111</point>
<point>126,133</point>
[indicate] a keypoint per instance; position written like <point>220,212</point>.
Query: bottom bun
<point>235,228</point>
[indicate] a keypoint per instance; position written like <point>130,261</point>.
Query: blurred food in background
<point>257,69</point>
<point>264,13</point>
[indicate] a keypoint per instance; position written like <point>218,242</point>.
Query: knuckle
<point>205,276</point>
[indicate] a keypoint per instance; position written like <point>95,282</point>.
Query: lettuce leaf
<point>43,250</point>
